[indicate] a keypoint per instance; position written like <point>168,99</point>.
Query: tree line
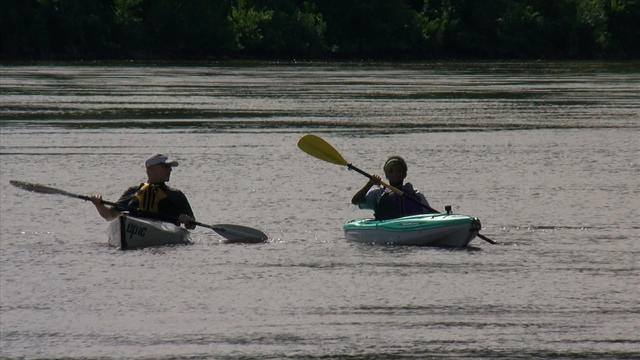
<point>319,29</point>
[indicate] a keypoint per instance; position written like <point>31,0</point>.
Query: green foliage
<point>281,29</point>
<point>437,26</point>
<point>247,24</point>
<point>296,31</point>
<point>319,29</point>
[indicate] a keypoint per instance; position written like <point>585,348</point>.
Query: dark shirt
<point>155,200</point>
<point>391,205</point>
<point>388,205</point>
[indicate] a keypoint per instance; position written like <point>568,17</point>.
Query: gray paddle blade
<point>43,189</point>
<point>239,233</point>
<point>35,187</point>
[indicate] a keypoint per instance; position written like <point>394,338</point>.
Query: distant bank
<point>318,29</point>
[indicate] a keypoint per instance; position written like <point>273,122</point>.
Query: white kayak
<point>128,232</point>
<point>442,230</point>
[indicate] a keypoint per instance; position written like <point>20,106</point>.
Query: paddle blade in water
<point>487,239</point>
<point>317,147</point>
<point>237,233</point>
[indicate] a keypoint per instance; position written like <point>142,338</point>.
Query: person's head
<point>159,168</point>
<point>395,169</point>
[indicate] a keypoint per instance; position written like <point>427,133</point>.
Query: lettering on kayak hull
<point>135,230</point>
<point>128,232</point>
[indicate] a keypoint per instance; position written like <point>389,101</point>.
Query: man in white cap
<point>153,198</point>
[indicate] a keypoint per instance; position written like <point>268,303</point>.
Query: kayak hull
<point>128,233</point>
<point>441,230</point>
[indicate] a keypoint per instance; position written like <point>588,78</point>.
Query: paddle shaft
<point>394,189</point>
<point>120,207</point>
<point>110,203</point>
<point>212,227</point>
<point>134,211</point>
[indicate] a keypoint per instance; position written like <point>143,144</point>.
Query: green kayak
<point>443,230</point>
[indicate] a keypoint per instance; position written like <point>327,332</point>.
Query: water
<point>545,154</point>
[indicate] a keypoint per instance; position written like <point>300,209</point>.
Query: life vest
<point>392,206</point>
<point>149,196</point>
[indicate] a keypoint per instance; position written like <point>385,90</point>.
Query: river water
<point>545,154</point>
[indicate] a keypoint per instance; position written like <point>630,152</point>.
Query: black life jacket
<point>392,206</point>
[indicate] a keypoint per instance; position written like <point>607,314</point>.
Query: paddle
<point>233,233</point>
<point>319,148</point>
<point>487,239</point>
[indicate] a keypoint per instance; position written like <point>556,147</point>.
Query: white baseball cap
<point>159,159</point>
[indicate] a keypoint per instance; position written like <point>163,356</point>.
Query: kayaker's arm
<point>108,213</point>
<point>359,197</point>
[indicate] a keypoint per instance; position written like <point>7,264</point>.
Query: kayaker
<point>385,203</point>
<point>154,198</point>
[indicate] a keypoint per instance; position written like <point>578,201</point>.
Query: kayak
<point>442,230</point>
<point>128,232</point>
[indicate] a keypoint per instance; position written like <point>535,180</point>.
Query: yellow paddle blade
<point>317,147</point>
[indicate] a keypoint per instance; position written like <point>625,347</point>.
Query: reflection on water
<point>391,98</point>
